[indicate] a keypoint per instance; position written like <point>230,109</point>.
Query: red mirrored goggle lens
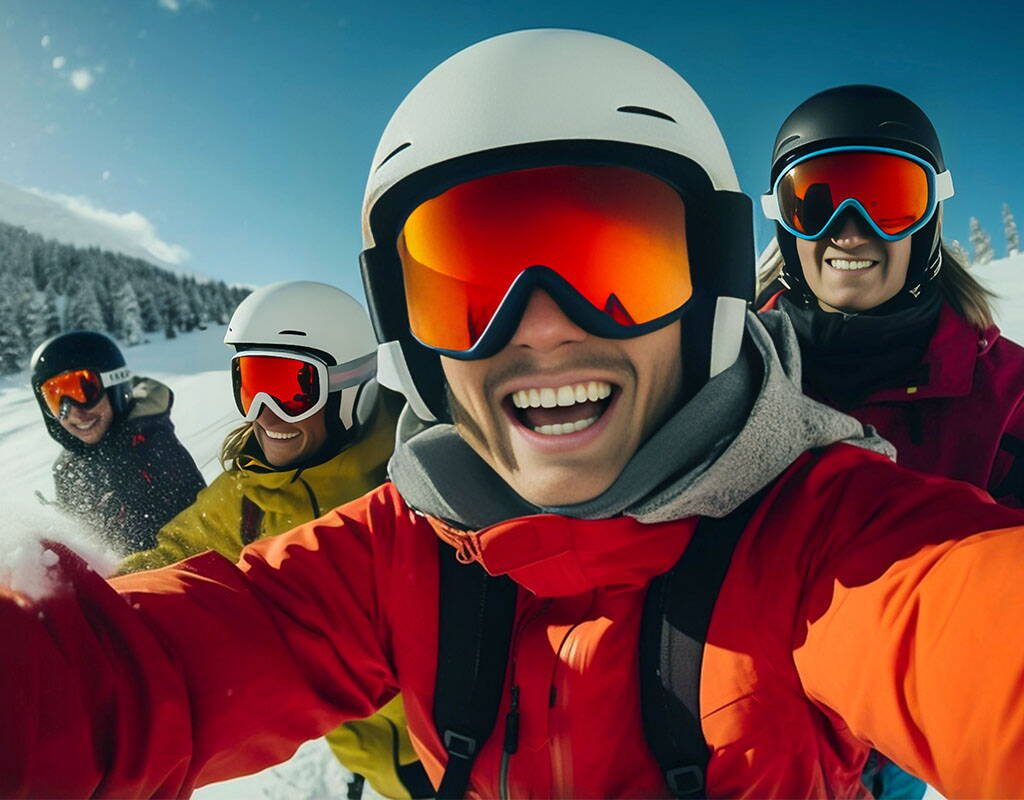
<point>81,386</point>
<point>892,190</point>
<point>292,383</point>
<point>616,235</point>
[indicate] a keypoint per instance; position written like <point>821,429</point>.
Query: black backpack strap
<point>474,634</point>
<point>677,613</point>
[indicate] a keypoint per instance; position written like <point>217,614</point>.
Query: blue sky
<point>242,132</point>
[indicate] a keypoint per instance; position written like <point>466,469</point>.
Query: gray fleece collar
<point>736,435</point>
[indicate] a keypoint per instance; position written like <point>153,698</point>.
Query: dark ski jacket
<point>958,413</point>
<point>137,478</point>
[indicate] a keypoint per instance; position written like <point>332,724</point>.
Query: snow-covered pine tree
<point>127,315</point>
<point>151,319</point>
<point>45,317</point>
<point>981,242</point>
<point>957,250</point>
<point>11,339</point>
<point>1010,231</point>
<point>83,311</point>
<point>22,291</point>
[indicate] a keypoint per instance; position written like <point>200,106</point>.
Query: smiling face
<point>851,269</point>
<point>286,443</point>
<point>89,425</point>
<point>558,412</point>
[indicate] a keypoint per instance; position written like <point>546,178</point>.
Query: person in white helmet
<point>620,553</point>
<point>317,432</point>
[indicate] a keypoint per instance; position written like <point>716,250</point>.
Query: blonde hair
<point>233,445</point>
<point>958,287</point>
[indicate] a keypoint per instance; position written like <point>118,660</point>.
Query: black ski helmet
<point>860,115</point>
<point>79,350</point>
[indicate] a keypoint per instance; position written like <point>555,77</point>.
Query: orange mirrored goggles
<point>293,385</point>
<point>83,387</point>
<point>896,193</point>
<point>607,243</point>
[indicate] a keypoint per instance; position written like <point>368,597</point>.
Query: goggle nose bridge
<point>509,312</point>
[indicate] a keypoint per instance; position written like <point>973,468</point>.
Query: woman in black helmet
<point>892,328</point>
<point>122,471</point>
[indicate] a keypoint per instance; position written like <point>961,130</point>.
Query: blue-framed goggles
<point>895,192</point>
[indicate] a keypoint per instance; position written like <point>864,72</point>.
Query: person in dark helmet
<point>892,328</point>
<point>122,471</point>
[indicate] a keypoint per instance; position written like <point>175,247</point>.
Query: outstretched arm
<point>162,681</point>
<point>911,634</point>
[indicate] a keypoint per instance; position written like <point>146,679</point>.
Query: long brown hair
<point>958,286</point>
<point>233,445</point>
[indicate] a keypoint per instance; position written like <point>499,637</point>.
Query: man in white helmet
<point>620,554</point>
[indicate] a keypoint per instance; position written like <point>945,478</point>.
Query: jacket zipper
<point>312,498</point>
<point>511,739</point>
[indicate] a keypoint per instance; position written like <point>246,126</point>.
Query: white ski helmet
<point>319,320</point>
<point>547,98</point>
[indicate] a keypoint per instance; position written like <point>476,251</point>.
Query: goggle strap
<point>358,370</point>
<point>115,376</point>
<point>770,206</point>
<point>943,186</point>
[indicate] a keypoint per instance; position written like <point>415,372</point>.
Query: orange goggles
<point>896,193</point>
<point>607,243</point>
<point>293,385</point>
<point>82,387</point>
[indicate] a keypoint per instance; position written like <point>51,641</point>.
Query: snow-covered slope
<point>195,367</point>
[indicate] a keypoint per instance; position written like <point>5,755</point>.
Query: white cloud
<point>170,5</point>
<point>130,226</point>
<point>59,62</point>
<point>82,79</point>
<point>45,41</point>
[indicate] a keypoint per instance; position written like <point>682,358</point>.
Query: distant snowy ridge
<point>75,221</point>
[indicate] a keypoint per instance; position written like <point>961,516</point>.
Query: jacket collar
<point>556,556</point>
<point>949,361</point>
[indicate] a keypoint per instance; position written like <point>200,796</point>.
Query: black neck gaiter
<point>846,357</point>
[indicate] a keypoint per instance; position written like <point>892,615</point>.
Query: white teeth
<point>84,426</point>
<point>562,396</point>
<point>280,436</point>
<point>560,429</point>
<point>850,264</point>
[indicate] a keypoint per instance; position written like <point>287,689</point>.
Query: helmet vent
<point>649,112</point>
<point>787,140</point>
<point>392,154</point>
<point>293,333</point>
<point>892,123</point>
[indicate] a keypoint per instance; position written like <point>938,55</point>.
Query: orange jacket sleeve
<point>910,635</point>
<point>195,673</point>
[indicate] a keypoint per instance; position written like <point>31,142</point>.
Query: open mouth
<point>84,426</point>
<point>850,264</point>
<point>562,410</point>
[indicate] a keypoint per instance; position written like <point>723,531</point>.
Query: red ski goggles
<point>896,193</point>
<point>293,385</point>
<point>607,243</point>
<point>83,387</point>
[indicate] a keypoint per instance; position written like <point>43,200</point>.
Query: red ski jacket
<point>967,420</point>
<point>122,689</point>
